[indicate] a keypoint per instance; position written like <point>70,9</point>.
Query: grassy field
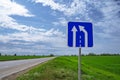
<point>65,68</point>
<point>101,68</point>
<point>7,58</point>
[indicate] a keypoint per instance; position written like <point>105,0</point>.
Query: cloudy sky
<point>39,26</point>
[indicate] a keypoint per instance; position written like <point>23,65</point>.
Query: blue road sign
<point>80,34</point>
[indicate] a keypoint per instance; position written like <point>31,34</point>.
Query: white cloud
<point>8,22</point>
<point>55,40</point>
<point>105,8</point>
<point>61,21</point>
<point>51,37</point>
<point>86,9</point>
<point>52,4</point>
<point>45,42</point>
<point>75,7</point>
<point>38,50</point>
<point>109,24</point>
<point>26,33</point>
<point>8,8</point>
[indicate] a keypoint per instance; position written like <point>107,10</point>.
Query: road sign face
<point>80,34</point>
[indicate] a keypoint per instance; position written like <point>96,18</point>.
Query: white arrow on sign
<point>86,35</point>
<point>74,30</point>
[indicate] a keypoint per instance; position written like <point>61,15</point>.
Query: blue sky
<point>39,26</point>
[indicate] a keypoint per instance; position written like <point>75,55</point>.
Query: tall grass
<point>65,68</point>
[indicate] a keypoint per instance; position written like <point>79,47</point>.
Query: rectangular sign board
<point>80,34</point>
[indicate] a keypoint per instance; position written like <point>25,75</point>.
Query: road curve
<point>10,67</point>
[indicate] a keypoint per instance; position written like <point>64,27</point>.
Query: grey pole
<point>79,64</point>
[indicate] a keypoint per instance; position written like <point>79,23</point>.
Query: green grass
<point>61,68</point>
<point>7,58</point>
<point>101,68</point>
<point>65,68</point>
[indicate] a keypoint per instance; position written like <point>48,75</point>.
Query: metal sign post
<point>80,34</point>
<point>79,64</point>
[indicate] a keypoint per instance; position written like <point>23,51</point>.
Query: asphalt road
<point>10,67</point>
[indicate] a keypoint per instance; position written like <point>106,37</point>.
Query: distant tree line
<point>102,54</point>
<point>51,55</point>
<point>8,55</point>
